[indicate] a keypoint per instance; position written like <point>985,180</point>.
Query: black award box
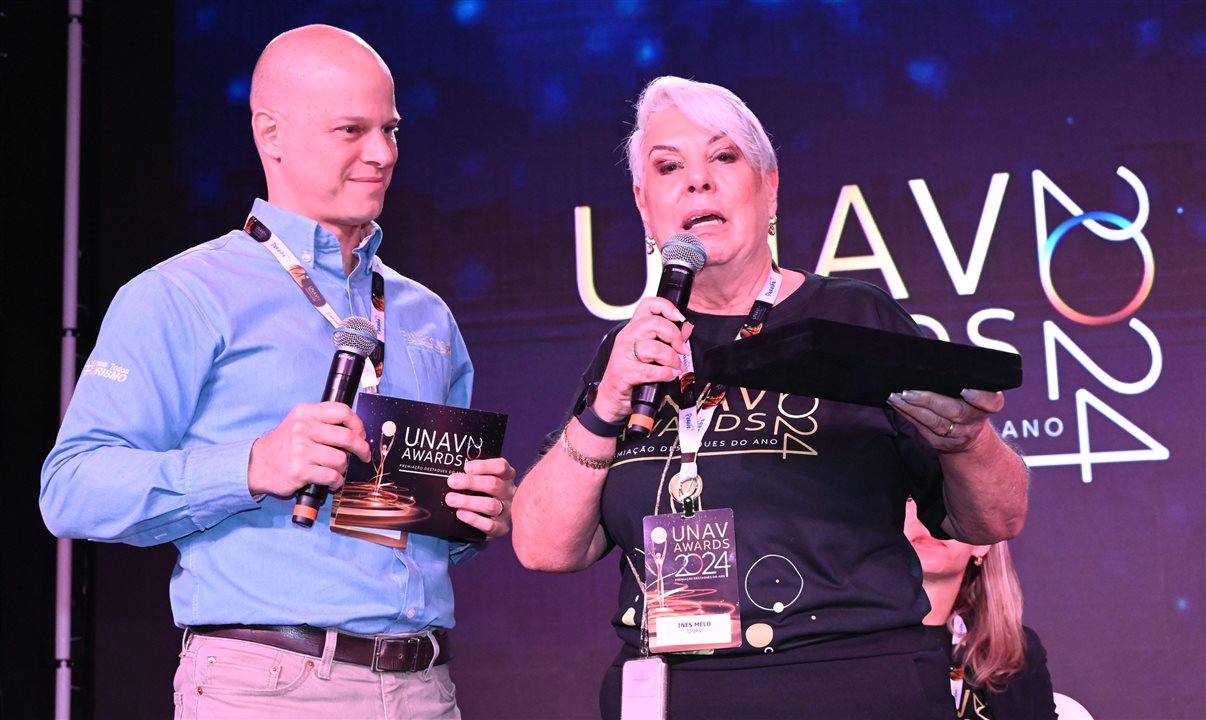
<point>854,364</point>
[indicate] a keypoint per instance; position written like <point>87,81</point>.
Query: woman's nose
<point>700,180</point>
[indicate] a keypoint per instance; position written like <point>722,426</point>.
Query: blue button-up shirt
<point>196,358</point>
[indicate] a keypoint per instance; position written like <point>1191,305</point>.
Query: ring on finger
<point>501,507</point>
<point>949,430</point>
<point>635,355</point>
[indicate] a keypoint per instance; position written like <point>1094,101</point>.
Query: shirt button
<point>306,256</point>
<point>410,613</point>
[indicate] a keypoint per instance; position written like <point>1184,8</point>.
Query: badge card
<point>691,598</point>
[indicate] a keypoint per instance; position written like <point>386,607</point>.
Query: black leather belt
<point>382,653</point>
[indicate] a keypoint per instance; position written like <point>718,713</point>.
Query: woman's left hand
<point>490,509</point>
<point>949,424</point>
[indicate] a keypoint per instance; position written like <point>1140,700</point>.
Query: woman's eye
<point>667,167</point>
<point>727,156</point>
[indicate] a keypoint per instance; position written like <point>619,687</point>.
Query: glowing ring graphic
<point>1145,285</point>
<point>789,564</point>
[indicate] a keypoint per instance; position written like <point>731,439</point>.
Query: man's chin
<point>363,216</point>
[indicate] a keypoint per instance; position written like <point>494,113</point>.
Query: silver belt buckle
<point>379,642</point>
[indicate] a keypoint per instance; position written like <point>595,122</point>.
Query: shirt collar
<point>307,239</point>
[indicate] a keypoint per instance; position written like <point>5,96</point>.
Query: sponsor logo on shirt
<point>107,370</point>
<point>426,342</point>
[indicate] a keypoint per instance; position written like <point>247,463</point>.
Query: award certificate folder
<point>855,364</point>
<point>415,447</point>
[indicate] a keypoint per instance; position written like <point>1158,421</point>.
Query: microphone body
<point>354,342</point>
<point>682,256</point>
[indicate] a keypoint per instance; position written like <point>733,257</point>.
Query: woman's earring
<point>978,560</point>
<point>774,226</point>
<point>650,245</point>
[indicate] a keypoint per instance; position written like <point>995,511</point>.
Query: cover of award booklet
<point>415,447</point>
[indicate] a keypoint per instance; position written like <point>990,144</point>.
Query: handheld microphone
<point>355,340</point>
<point>683,255</point>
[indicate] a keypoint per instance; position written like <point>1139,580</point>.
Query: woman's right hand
<point>557,524</point>
<point>646,351</point>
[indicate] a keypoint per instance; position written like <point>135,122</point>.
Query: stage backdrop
<point>1027,176</point>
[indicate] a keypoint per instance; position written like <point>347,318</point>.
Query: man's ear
<point>265,128</point>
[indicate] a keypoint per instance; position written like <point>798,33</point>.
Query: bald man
<point>193,421</point>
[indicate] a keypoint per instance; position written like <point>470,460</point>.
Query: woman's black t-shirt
<point>818,490</point>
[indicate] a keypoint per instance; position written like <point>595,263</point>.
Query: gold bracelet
<point>584,461</point>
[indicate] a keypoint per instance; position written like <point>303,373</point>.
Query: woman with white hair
<point>998,666</point>
<point>782,586</point>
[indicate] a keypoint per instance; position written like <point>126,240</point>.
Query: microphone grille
<point>355,334</point>
<point>684,249</point>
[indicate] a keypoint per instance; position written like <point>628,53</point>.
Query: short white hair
<point>712,107</point>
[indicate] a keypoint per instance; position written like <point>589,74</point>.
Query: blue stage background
<point>978,132</point>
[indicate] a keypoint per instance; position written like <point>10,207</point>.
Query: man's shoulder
<point>409,289</point>
<point>218,249</point>
<point>198,259</point>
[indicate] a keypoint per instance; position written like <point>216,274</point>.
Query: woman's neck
<point>942,593</point>
<point>722,293</point>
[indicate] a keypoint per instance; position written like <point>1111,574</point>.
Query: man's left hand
<point>489,511</point>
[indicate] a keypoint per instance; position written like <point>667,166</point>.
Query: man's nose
<point>381,149</point>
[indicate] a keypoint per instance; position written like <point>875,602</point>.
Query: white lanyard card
<point>691,600</point>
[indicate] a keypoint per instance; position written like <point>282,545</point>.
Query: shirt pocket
<point>432,373</point>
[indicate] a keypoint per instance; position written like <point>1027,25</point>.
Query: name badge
<point>691,600</point>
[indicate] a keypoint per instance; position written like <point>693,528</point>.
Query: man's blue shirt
<point>196,358</point>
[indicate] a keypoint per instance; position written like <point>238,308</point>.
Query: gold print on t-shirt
<point>746,421</point>
<point>972,707</point>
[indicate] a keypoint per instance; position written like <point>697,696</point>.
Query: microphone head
<point>684,249</point>
<point>355,334</point>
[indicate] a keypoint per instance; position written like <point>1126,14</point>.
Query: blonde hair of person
<point>990,603</point>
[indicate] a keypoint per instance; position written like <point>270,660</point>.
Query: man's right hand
<point>309,446</point>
